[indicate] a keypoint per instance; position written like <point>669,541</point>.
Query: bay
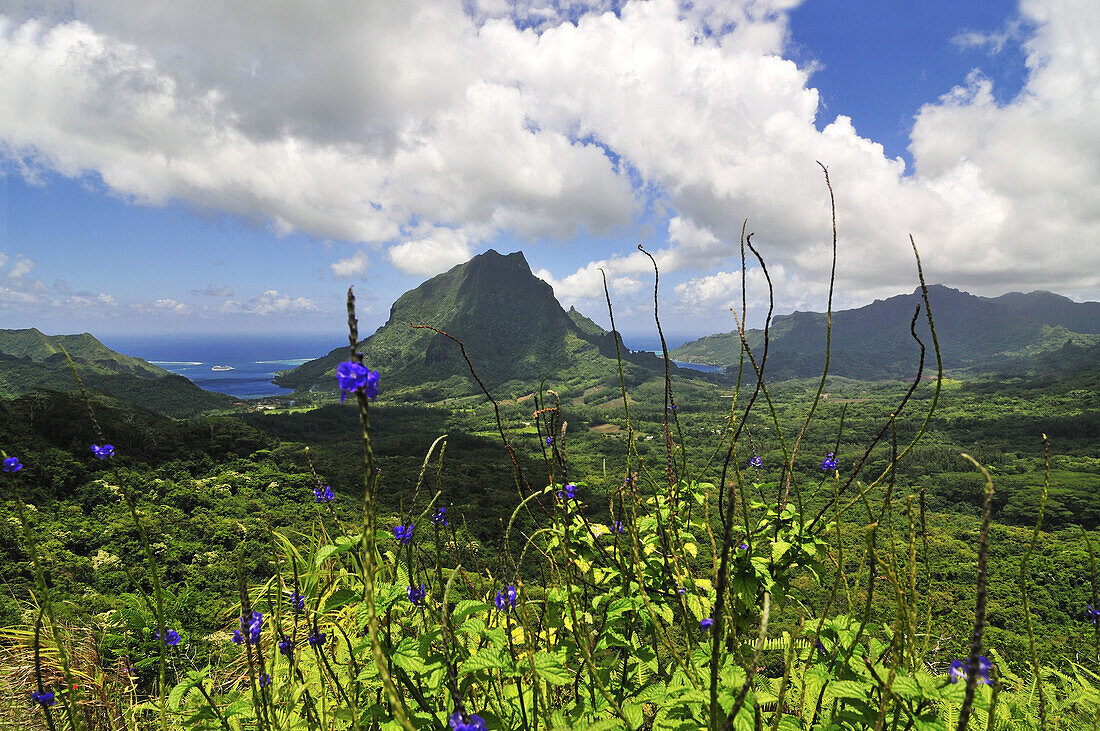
<point>253,359</point>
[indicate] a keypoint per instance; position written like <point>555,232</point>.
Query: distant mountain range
<point>1036,334</point>
<point>513,328</point>
<point>518,335</point>
<point>31,361</point>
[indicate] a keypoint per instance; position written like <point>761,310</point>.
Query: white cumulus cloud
<point>428,129</point>
<point>271,302</point>
<point>352,266</point>
<point>436,252</point>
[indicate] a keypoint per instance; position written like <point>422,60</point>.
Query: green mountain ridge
<point>31,361</point>
<point>512,327</point>
<point>31,344</point>
<point>976,334</point>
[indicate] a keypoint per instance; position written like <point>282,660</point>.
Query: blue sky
<point>234,168</point>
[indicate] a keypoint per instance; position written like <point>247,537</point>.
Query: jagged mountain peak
<point>509,321</point>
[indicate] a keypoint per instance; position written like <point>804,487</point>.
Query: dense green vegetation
<point>604,516</point>
<point>211,488</point>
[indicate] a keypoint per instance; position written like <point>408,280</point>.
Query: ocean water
<point>700,367</point>
<point>254,359</point>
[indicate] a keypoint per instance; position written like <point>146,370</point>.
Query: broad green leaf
<point>847,689</point>
<point>340,598</point>
<point>487,658</point>
<point>465,608</point>
<point>633,713</point>
<point>551,668</point>
<point>407,656</point>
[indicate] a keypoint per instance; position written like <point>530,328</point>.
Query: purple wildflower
<point>706,623</point>
<point>958,670</point>
<point>1092,615</point>
<point>46,699</point>
<point>404,533</point>
<point>297,602</point>
<point>472,722</point>
<point>416,596</point>
<point>172,637</point>
<point>11,464</point>
<point>568,492</point>
<point>506,598</point>
<point>325,496</point>
<point>439,517</point>
<point>286,646</point>
<point>250,629</point>
<point>351,376</point>
<point>829,462</point>
<point>756,462</point>
<point>103,452</point>
<point>265,680</point>
<point>315,638</point>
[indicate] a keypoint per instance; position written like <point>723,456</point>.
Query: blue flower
<point>549,441</point>
<point>404,533</point>
<point>472,722</point>
<point>569,492</point>
<point>286,646</point>
<point>251,628</point>
<point>1093,615</point>
<point>706,623</point>
<point>744,546</point>
<point>439,517</point>
<point>11,464</point>
<point>297,602</point>
<point>103,452</point>
<point>173,637</point>
<point>829,462</point>
<point>958,670</point>
<point>315,638</point>
<point>756,462</point>
<point>45,699</point>
<point>617,526</point>
<point>506,598</point>
<point>323,497</point>
<point>265,680</point>
<point>416,596</point>
<point>351,376</point>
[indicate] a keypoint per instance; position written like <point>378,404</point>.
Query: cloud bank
<point>426,130</point>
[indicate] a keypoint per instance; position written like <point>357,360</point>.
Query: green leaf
<point>633,713</point>
<point>551,668</point>
<point>407,656</point>
<point>340,598</point>
<point>848,689</point>
<point>465,608</point>
<point>343,544</point>
<point>194,678</point>
<point>487,658</point>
